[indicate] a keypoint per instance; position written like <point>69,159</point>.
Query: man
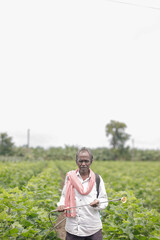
<point>83,222</point>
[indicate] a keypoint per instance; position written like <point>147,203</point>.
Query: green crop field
<point>30,190</point>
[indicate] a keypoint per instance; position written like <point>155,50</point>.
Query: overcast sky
<point>69,67</point>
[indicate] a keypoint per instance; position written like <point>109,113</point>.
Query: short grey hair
<point>84,149</point>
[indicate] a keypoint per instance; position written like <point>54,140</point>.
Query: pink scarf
<point>74,182</point>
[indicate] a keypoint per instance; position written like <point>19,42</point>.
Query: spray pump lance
<point>123,200</point>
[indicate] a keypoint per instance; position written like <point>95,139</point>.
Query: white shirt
<point>87,220</point>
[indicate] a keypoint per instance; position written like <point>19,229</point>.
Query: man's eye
<point>85,161</point>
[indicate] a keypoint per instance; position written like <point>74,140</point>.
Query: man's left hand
<point>95,203</point>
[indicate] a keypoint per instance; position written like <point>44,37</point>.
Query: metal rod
<point>54,226</point>
<point>60,222</point>
<point>113,200</point>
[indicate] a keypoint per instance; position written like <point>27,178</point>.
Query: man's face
<point>84,162</point>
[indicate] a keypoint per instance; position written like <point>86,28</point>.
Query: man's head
<point>84,159</point>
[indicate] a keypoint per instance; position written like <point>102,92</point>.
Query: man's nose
<point>83,163</point>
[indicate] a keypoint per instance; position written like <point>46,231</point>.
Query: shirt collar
<point>78,174</point>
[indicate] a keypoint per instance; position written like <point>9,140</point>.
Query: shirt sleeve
<point>102,198</point>
<point>62,198</point>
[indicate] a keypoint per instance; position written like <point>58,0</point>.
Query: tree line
<point>118,150</point>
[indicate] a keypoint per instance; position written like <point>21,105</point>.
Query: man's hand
<point>95,203</point>
<point>61,208</point>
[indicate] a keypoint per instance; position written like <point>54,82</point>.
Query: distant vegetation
<point>69,153</point>
<point>6,144</point>
<point>118,150</point>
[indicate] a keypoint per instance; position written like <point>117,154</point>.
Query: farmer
<point>80,188</point>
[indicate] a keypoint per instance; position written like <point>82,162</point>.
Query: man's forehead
<point>84,153</point>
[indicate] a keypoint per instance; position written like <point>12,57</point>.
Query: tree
<point>116,130</point>
<point>6,144</point>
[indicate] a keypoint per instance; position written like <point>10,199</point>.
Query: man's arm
<point>61,203</point>
<point>102,195</point>
<point>98,203</point>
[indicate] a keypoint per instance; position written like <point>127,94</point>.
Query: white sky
<point>69,67</point>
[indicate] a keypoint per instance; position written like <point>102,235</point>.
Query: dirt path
<point>60,229</point>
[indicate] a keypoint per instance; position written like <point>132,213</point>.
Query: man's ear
<point>91,162</point>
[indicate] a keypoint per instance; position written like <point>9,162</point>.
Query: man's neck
<point>84,176</point>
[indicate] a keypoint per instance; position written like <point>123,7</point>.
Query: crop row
<point>24,213</point>
<point>140,177</point>
<point>137,219</point>
<point>17,174</point>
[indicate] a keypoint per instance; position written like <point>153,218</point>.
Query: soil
<point>60,229</point>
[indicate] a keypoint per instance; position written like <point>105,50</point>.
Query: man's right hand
<point>61,208</point>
